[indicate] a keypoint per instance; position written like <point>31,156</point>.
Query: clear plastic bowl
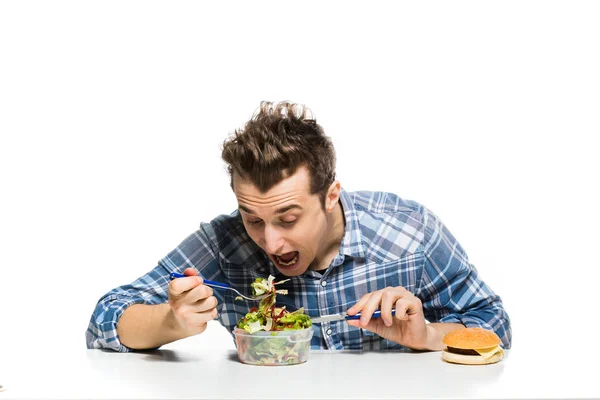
<point>273,348</point>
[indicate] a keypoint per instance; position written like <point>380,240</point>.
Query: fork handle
<point>218,285</point>
<point>376,314</point>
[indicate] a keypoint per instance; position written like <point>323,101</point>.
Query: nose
<point>273,241</point>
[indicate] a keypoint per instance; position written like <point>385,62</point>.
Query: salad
<point>268,317</point>
<point>271,335</point>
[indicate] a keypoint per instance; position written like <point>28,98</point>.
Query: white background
<point>112,115</point>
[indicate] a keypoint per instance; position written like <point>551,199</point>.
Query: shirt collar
<point>352,244</point>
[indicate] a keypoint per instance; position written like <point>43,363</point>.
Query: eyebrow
<point>278,211</point>
<point>288,208</point>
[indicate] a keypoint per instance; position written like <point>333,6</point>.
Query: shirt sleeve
<point>197,251</point>
<point>450,288</point>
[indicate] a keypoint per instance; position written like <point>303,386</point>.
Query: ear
<point>333,196</point>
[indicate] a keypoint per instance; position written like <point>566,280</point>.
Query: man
<point>354,252</point>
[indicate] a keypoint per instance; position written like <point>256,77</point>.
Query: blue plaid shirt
<point>388,241</point>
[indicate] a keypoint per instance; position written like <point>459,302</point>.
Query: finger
<point>199,293</point>
<point>206,304</point>
<point>190,272</point>
<point>407,306</point>
<point>353,322</point>
<point>195,320</point>
<point>180,285</point>
<point>370,307</point>
<point>374,325</point>
<point>358,306</point>
<point>389,297</point>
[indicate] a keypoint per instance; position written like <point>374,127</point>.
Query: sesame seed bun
<point>471,338</point>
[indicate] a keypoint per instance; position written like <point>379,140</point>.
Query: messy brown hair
<point>277,140</point>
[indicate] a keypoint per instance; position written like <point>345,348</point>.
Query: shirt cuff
<point>102,331</point>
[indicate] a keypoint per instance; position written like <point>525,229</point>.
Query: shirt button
<point>323,283</point>
<point>329,331</point>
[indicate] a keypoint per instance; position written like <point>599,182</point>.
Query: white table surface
<point>188,370</point>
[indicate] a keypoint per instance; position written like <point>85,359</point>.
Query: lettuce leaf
<point>268,317</point>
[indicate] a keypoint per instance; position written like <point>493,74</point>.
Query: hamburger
<point>473,346</point>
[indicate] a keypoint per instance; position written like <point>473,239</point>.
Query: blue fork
<point>219,285</point>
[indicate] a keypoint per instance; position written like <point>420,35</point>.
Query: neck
<point>331,242</point>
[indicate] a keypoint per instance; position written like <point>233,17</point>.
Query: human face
<point>287,222</point>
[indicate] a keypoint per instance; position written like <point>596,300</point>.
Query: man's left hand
<point>407,327</point>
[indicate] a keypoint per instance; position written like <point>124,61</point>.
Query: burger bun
<point>470,360</point>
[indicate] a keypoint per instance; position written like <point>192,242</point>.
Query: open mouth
<point>287,260</point>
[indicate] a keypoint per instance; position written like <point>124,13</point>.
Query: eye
<point>254,222</point>
<point>288,223</point>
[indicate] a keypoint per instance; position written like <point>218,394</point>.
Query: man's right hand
<point>192,303</point>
